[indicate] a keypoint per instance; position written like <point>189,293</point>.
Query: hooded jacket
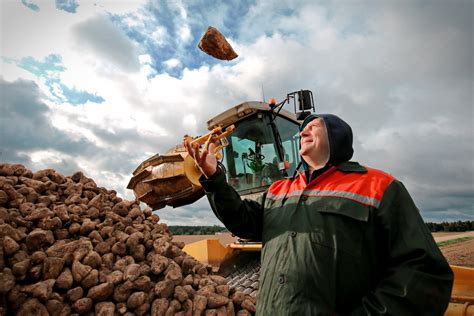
<point>349,242</point>
<point>339,134</point>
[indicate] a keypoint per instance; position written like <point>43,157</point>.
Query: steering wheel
<point>254,156</point>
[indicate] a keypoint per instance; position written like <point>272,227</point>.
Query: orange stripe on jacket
<point>372,183</point>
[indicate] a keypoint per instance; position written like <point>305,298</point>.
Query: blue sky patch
<point>30,5</point>
<point>49,70</point>
<point>67,5</point>
<point>51,63</point>
<point>162,14</point>
<point>76,97</point>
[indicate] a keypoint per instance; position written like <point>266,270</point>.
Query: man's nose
<point>305,131</point>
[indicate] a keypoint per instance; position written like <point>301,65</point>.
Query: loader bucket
<point>167,179</point>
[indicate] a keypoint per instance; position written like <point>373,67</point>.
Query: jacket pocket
<point>359,214</point>
<point>342,229</point>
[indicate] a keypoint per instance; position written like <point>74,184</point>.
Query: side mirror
<point>305,100</point>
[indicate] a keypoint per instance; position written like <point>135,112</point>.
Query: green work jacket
<point>350,242</point>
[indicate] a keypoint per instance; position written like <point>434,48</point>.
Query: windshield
<point>251,158</point>
<point>290,139</point>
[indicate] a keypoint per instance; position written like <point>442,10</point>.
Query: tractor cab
<point>264,146</point>
<point>262,149</point>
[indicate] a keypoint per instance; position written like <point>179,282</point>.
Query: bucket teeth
<point>150,199</point>
<point>137,178</point>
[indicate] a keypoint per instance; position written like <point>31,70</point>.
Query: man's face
<point>315,142</point>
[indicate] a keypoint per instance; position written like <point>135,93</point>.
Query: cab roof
<point>242,110</point>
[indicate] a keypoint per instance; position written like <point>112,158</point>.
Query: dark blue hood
<point>340,138</point>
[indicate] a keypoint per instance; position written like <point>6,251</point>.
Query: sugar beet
<point>70,247</point>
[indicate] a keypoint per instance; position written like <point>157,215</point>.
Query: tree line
<point>196,230</point>
<point>459,226</point>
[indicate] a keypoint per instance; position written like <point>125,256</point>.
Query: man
<point>338,238</point>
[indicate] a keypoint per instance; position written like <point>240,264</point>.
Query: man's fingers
<point>204,155</point>
<point>188,147</point>
<point>197,155</point>
<point>212,148</point>
<point>195,151</point>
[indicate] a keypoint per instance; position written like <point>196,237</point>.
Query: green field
<point>453,241</point>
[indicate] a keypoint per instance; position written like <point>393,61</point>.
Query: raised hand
<point>205,159</point>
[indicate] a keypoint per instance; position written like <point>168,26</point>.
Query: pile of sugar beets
<point>68,247</point>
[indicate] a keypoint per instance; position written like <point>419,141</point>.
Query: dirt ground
<point>460,254</point>
<point>444,236</point>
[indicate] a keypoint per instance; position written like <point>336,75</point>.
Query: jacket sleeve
<point>417,279</point>
<point>243,218</point>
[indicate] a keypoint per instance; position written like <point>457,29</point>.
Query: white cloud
<point>113,6</point>
<point>10,72</point>
<point>160,35</point>
<point>67,118</point>
<point>172,63</point>
<point>184,33</point>
<point>100,36</point>
<point>144,59</point>
<point>49,28</point>
<point>190,120</point>
<point>45,158</point>
<point>198,214</point>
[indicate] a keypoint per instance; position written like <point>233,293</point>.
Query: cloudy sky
<point>99,86</point>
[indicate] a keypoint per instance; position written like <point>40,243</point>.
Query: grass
<point>453,241</point>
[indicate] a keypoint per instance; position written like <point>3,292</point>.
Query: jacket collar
<point>351,166</point>
<point>346,166</point>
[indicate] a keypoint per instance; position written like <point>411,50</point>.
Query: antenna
<point>305,102</point>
